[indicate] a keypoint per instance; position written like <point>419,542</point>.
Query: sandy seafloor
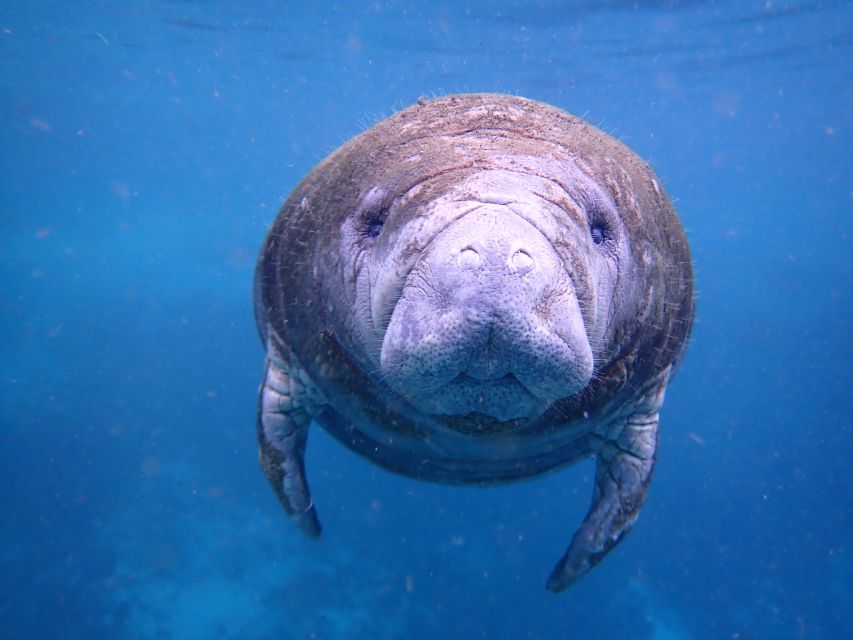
<point>145,149</point>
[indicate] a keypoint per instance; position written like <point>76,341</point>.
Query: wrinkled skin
<point>478,289</point>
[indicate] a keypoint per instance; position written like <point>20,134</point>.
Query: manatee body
<point>479,288</point>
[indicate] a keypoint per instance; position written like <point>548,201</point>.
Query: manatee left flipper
<point>285,408</point>
<point>623,470</point>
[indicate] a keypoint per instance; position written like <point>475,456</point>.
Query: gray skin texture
<point>478,289</point>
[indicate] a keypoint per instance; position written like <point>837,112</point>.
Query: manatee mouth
<point>473,405</point>
<point>478,424</point>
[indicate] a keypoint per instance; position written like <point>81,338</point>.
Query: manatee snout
<point>488,322</point>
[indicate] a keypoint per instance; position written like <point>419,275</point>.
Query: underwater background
<point>145,148</point>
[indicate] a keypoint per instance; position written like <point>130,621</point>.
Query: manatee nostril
<point>521,262</point>
<point>468,259</point>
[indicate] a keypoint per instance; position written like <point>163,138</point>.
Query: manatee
<point>478,289</point>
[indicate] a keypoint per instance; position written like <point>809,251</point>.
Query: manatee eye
<point>370,215</point>
<point>371,222</point>
<point>374,226</point>
<point>598,233</point>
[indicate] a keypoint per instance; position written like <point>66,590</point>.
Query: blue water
<point>145,149</point>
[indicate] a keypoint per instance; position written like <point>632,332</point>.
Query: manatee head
<point>487,261</point>
<point>487,295</point>
<point>501,308</point>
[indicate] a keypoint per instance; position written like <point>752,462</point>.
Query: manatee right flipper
<point>623,470</point>
<point>285,408</point>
